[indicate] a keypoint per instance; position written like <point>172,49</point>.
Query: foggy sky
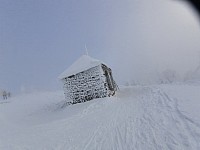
<point>155,36</point>
<point>39,39</point>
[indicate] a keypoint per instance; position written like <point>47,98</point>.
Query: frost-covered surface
<point>139,118</point>
<point>83,63</point>
<point>86,86</point>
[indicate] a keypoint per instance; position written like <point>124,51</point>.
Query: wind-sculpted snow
<point>141,118</point>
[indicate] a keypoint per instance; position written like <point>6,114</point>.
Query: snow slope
<point>188,97</point>
<point>142,118</point>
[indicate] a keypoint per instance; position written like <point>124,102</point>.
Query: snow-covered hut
<point>86,79</point>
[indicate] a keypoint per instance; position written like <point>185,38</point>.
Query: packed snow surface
<point>140,118</point>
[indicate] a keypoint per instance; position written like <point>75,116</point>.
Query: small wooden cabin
<point>87,79</point>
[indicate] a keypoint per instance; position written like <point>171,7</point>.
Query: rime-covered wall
<point>86,85</point>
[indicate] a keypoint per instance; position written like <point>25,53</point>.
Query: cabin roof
<point>85,62</point>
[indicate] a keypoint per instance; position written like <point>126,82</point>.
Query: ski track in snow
<point>143,118</point>
<point>152,121</point>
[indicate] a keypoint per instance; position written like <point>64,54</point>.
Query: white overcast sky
<point>137,38</point>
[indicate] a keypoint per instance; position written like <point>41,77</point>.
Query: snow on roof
<point>83,63</point>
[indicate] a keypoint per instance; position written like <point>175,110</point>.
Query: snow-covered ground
<point>141,117</point>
